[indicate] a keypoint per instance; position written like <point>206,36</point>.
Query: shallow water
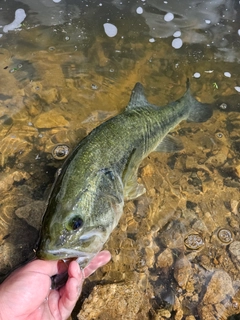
<point>69,66</point>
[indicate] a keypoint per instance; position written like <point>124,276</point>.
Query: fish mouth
<point>81,257</point>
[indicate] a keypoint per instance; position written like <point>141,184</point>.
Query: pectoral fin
<point>170,144</point>
<point>133,189</point>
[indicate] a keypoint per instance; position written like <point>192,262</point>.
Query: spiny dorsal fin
<point>137,98</point>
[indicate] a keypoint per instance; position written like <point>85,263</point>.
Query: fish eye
<point>76,223</point>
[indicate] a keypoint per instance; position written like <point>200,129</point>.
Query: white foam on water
<point>208,21</point>
<point>196,75</point>
<point>177,34</point>
<point>239,32</point>
<point>20,15</point>
<point>139,10</point>
<point>227,74</point>
<point>168,17</point>
<point>237,89</point>
<point>110,29</point>
<point>152,40</point>
<point>177,43</point>
<point>1,35</point>
<point>56,1</point>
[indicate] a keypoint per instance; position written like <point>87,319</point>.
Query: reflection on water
<point>68,66</point>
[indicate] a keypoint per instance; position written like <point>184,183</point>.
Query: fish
<point>88,195</point>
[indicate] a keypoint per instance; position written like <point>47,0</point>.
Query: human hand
<point>26,293</point>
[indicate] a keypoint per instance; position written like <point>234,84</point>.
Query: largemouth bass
<point>88,196</point>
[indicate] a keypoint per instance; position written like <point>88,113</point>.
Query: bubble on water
<point>110,29</point>
<point>219,135</point>
<point>239,32</point>
<point>177,34</point>
<point>194,241</point>
<point>177,43</point>
<point>237,89</point>
<point>227,74</point>
<point>223,106</point>
<point>94,86</point>
<point>56,1</point>
<point>168,17</point>
<point>139,10</point>
<point>152,40</point>
<point>60,151</point>
<point>208,21</point>
<point>20,15</point>
<point>225,235</point>
<point>196,75</point>
<point>67,38</point>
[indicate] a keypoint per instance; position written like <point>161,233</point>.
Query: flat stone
<point>218,288</point>
<point>182,271</point>
<point>122,301</point>
<point>50,119</point>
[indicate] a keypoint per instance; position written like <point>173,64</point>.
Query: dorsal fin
<point>137,98</point>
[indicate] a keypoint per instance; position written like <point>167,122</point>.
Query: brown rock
<point>50,119</point>
<point>182,271</point>
<point>218,288</point>
<point>50,95</point>
<point>237,170</point>
<point>32,213</point>
<point>147,171</point>
<point>234,249</point>
<point>115,301</point>
<point>165,259</point>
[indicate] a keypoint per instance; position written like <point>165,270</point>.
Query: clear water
<point>68,66</point>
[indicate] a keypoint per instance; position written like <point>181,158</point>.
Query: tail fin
<point>198,112</point>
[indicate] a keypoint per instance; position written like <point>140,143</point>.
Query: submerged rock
<point>119,301</point>
<point>50,119</point>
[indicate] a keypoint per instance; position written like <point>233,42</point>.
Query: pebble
<point>165,259</point>
<point>182,271</point>
<point>234,249</point>
<point>218,288</point>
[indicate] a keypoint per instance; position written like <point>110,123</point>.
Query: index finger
<point>98,261</point>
